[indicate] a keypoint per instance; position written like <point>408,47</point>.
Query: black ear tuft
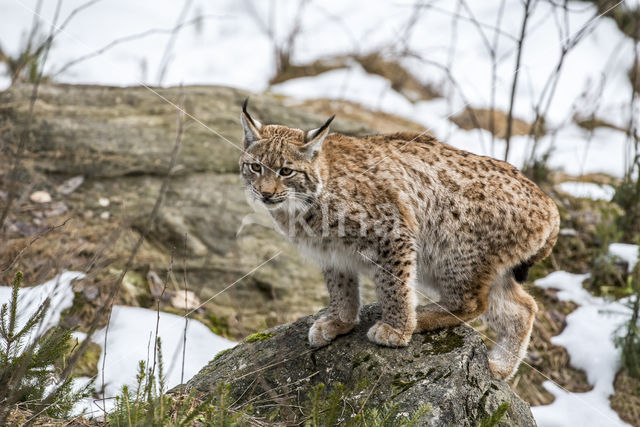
<point>246,113</point>
<point>251,127</point>
<point>326,125</point>
<point>314,138</point>
<point>315,132</point>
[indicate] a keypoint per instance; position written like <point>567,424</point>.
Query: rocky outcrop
<point>446,371</point>
<point>100,131</point>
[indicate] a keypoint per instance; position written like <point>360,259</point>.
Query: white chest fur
<point>337,256</point>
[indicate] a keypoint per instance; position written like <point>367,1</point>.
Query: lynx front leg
<point>394,279</point>
<point>342,313</point>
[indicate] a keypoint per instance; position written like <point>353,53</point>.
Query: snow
<point>233,45</point>
<point>130,339</point>
<point>587,190</point>
<point>59,290</point>
<point>632,4</point>
<point>577,151</point>
<point>588,338</point>
<point>354,84</point>
<point>627,252</point>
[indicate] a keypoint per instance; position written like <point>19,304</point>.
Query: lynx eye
<point>285,172</point>
<point>255,167</point>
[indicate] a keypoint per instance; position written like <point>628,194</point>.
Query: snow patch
<point>627,252</point>
<point>588,338</point>
<point>59,290</point>
<point>130,339</point>
<point>354,84</point>
<point>587,190</point>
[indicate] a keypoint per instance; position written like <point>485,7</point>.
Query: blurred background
<point>119,127</point>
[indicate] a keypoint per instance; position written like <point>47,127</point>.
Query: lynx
<point>412,213</point>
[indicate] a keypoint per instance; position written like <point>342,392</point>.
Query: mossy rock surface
<point>445,369</point>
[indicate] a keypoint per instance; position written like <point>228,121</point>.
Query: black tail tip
<point>521,272</point>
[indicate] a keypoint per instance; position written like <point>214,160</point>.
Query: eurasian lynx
<point>409,211</point>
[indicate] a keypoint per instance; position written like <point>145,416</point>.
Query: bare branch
<point>26,133</point>
<point>129,38</point>
<point>514,85</point>
<point>164,62</point>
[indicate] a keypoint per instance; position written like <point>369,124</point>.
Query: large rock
<point>102,131</point>
<point>446,370</point>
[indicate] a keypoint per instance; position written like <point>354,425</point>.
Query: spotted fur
<point>412,213</point>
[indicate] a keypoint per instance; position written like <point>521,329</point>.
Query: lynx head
<point>277,161</point>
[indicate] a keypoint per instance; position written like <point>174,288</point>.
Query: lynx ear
<point>250,126</point>
<point>313,139</point>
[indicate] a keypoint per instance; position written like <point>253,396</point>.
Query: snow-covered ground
<point>231,45</point>
<point>130,338</point>
<point>587,190</point>
<point>58,290</point>
<point>589,340</point>
<point>626,252</point>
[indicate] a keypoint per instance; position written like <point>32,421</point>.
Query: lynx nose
<point>266,194</point>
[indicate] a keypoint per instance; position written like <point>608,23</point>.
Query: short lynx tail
<point>521,271</point>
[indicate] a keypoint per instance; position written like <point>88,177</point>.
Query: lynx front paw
<point>385,334</point>
<point>324,330</point>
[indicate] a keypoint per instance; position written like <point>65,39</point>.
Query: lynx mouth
<point>272,202</point>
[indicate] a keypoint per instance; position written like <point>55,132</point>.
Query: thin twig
<point>27,56</point>
<point>131,37</point>
<point>35,239</point>
<point>166,56</point>
<point>186,316</point>
<point>155,341</point>
<point>369,395</point>
<point>26,132</point>
<point>494,77</point>
<point>514,85</point>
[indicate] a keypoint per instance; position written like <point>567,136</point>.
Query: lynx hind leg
<point>510,313</point>
<point>459,302</point>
